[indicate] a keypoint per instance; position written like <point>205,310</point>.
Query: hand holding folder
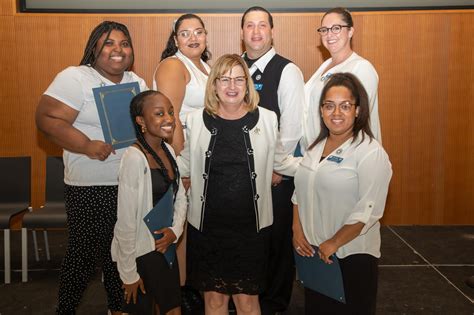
<point>159,217</point>
<point>113,106</point>
<point>318,276</point>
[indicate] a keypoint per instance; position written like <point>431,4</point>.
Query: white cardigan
<point>264,140</point>
<point>132,238</point>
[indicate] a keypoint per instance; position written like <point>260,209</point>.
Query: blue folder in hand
<point>162,216</point>
<point>318,276</point>
<point>113,106</point>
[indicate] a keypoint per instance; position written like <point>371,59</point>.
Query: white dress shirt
<point>290,101</point>
<point>334,192</point>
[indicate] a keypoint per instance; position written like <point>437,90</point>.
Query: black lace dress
<point>228,255</point>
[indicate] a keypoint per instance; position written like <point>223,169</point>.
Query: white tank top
<point>195,89</point>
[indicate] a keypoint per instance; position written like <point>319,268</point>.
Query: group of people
<point>225,142</point>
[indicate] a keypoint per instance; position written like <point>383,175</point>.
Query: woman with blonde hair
<point>229,156</point>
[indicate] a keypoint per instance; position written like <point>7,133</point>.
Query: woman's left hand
<point>326,249</point>
<point>276,179</point>
<point>162,244</point>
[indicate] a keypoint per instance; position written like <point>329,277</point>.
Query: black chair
<point>51,216</point>
<point>14,198</point>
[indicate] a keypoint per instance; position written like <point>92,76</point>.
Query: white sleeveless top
<point>195,89</point>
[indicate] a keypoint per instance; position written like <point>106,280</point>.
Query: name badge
<point>258,86</point>
<point>334,158</point>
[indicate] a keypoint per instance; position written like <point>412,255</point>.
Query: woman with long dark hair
<point>68,115</point>
<point>183,70</point>
<point>341,187</point>
<point>182,76</point>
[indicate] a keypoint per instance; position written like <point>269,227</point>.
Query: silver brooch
<point>339,151</point>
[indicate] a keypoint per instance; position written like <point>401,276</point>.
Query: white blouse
<point>350,185</point>
<point>359,67</point>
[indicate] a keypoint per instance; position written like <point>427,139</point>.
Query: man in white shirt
<point>280,85</point>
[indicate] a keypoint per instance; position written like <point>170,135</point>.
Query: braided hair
<point>136,109</point>
<point>171,47</point>
<point>106,27</point>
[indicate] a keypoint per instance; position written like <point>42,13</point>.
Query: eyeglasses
<point>238,81</point>
<point>199,32</point>
<point>330,107</point>
<point>335,29</point>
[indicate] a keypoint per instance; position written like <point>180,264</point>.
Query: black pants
<point>91,216</point>
<point>360,274</point>
<point>280,260</point>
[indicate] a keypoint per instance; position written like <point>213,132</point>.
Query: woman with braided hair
<point>147,171</point>
<point>68,115</point>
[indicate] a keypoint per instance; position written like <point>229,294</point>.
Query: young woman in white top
<point>148,171</point>
<point>341,187</point>
<point>68,115</point>
<point>182,77</point>
<point>183,71</point>
<point>336,31</point>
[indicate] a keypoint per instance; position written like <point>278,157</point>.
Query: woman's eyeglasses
<point>335,29</point>
<point>199,32</point>
<point>226,81</point>
<point>330,107</point>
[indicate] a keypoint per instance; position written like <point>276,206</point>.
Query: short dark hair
<point>106,27</point>
<point>256,8</point>
<point>362,121</point>
<point>171,48</point>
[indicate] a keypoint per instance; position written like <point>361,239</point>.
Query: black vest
<point>267,83</point>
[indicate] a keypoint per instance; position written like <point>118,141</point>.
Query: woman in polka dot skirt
<point>67,114</point>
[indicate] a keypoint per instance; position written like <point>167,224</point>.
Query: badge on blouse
<point>334,158</point>
<point>258,86</point>
<point>325,77</point>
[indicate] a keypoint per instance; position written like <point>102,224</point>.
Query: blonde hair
<point>224,64</point>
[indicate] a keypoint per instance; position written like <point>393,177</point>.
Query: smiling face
<point>158,118</point>
<point>257,34</point>
<point>336,43</point>
<point>232,88</point>
<point>116,55</point>
<point>339,122</point>
<point>191,38</point>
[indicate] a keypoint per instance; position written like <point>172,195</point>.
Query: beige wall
<point>424,59</point>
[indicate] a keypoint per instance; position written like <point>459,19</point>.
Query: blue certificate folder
<point>318,276</point>
<point>162,216</point>
<point>113,105</point>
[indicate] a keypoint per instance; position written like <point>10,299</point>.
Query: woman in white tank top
<point>182,77</point>
<point>183,71</point>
